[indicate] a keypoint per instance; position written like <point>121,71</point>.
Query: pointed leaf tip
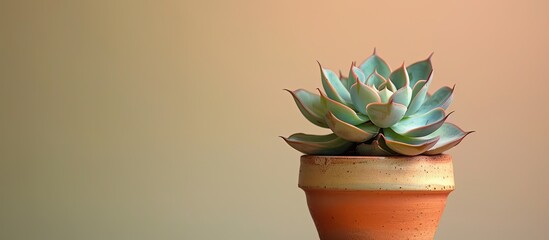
<point>333,86</point>
<point>318,144</point>
<point>375,62</point>
<point>420,70</point>
<point>310,105</point>
<point>400,77</point>
<point>450,136</point>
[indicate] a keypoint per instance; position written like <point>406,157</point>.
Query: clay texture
<point>376,197</point>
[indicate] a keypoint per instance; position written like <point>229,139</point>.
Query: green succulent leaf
<point>385,115</point>
<point>407,145</point>
<point>375,63</point>
<point>399,77</point>
<point>360,133</point>
<point>329,144</point>
<point>421,125</point>
<point>362,95</point>
<point>342,112</point>
<point>378,111</point>
<point>356,74</point>
<point>441,98</point>
<point>345,81</point>
<point>389,85</point>
<point>420,70</point>
<point>416,89</point>
<point>375,80</point>
<point>450,136</point>
<point>373,149</point>
<point>402,96</point>
<point>419,95</point>
<point>427,96</point>
<point>385,95</point>
<point>334,87</point>
<point>310,106</point>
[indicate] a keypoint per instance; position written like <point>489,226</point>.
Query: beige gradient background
<point>159,119</point>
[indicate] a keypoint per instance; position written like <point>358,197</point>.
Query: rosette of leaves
<point>376,111</point>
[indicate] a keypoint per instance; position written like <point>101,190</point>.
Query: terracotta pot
<point>376,197</point>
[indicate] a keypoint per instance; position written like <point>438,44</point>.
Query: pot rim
<point>373,157</point>
<point>387,173</point>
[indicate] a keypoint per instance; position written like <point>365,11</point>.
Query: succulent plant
<point>376,111</point>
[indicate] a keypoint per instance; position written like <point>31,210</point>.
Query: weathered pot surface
<point>358,197</point>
